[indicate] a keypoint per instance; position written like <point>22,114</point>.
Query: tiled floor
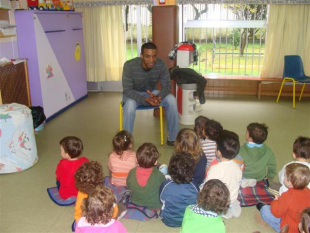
<point>26,207</point>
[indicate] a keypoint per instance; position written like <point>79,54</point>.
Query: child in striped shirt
<point>122,159</point>
<point>208,135</point>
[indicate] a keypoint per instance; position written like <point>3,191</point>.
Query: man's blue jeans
<point>268,217</point>
<point>170,105</point>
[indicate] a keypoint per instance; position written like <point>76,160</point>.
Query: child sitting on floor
<point>286,209</point>
<point>301,154</point>
<point>70,149</point>
<point>211,132</point>
<point>213,201</point>
<point>227,170</point>
<point>188,141</point>
<point>144,181</point>
<point>122,159</point>
<point>200,124</point>
<point>97,213</point>
<point>304,225</point>
<point>257,156</point>
<point>178,193</point>
<point>87,178</point>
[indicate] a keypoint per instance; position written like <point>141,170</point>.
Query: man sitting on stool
<point>140,76</point>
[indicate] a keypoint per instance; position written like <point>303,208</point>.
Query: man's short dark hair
<point>301,147</point>
<point>148,45</point>
<point>258,132</point>
<point>228,144</point>
<point>213,129</point>
<point>214,197</point>
<point>147,155</point>
<point>72,145</point>
<point>181,168</point>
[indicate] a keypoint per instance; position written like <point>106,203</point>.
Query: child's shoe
<point>248,183</point>
<point>125,199</point>
<point>163,169</point>
<point>259,205</point>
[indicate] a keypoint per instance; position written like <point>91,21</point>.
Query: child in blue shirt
<point>178,193</point>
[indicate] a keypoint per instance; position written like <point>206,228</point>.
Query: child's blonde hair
<point>298,174</point>
<point>188,141</point>
<point>98,206</point>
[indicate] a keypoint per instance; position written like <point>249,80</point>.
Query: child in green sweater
<point>144,181</point>
<point>257,156</point>
<point>206,216</point>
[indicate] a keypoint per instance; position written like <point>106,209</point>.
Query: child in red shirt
<point>70,149</point>
<point>287,209</point>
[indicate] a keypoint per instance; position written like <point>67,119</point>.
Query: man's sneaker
<point>248,183</point>
<point>125,199</point>
<point>259,205</point>
<point>170,143</point>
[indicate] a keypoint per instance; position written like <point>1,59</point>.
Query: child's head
<point>214,197</point>
<point>301,148</point>
<point>304,225</point>
<point>181,168</point>
<point>257,133</point>
<point>122,141</point>
<point>98,206</point>
<point>200,123</point>
<point>228,144</point>
<point>213,129</point>
<point>71,147</point>
<point>88,176</point>
<point>297,176</point>
<point>147,155</point>
<point>188,141</point>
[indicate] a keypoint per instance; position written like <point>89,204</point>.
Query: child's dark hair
<point>88,176</point>
<point>188,141</point>
<point>122,141</point>
<point>213,129</point>
<point>228,144</point>
<point>181,168</point>
<point>301,147</point>
<point>200,123</point>
<point>72,145</point>
<point>214,197</point>
<point>298,174</point>
<point>147,155</point>
<point>258,132</point>
<point>304,225</point>
<point>98,206</point>
<point>148,45</point>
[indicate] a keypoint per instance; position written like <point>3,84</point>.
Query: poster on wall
<point>49,71</point>
<point>77,52</point>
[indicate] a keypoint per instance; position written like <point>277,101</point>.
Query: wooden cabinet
<point>14,85</point>
<point>53,44</point>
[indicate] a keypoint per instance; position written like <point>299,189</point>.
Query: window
<point>230,38</point>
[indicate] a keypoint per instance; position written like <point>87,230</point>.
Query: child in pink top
<point>97,213</point>
<point>70,148</point>
<point>122,159</point>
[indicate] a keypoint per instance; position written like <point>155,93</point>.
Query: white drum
<point>17,139</point>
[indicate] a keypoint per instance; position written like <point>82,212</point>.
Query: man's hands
<point>153,100</point>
